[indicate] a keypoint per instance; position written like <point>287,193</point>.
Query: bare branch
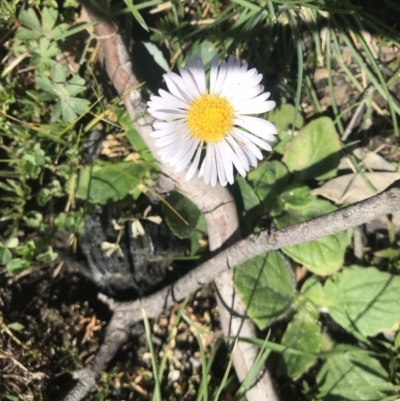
<point>359,213</point>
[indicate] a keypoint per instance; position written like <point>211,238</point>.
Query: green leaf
<point>71,108</point>
<point>33,219</point>
<point>44,196</point>
<point>284,138</point>
<point>313,291</point>
<point>12,397</point>
<point>315,151</point>
<point>268,181</point>
<point>251,203</point>
<point>12,243</point>
<point>136,14</point>
<point>205,50</point>
<point>67,106</point>
<point>17,265</point>
<point>5,256</point>
<point>105,182</point>
<point>197,234</point>
<point>266,286</point>
<point>352,376</point>
<point>282,117</point>
<point>364,299</point>
<point>157,55</point>
<point>58,74</point>
<point>47,256</point>
<point>49,17</point>
<point>73,222</point>
<point>297,196</point>
<point>27,250</point>
<point>43,53</point>
<point>75,85</point>
<point>389,253</point>
<point>323,256</point>
<point>45,84</point>
<point>303,334</point>
<point>31,29</point>
<point>186,210</point>
<point>15,326</point>
<point>131,133</point>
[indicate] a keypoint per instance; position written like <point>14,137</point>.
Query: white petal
<point>176,86</point>
<point>213,74</point>
<point>243,68</point>
<point>168,128</point>
<point>167,139</point>
<point>196,69</point>
<point>220,165</point>
<point>182,151</point>
<point>225,152</point>
<point>248,147</point>
<point>252,75</point>
<point>233,80</point>
<point>214,176</point>
<point>259,142</point>
<point>189,155</point>
<point>190,84</point>
<point>257,126</point>
<point>233,67</point>
<point>202,167</point>
<point>254,106</point>
<point>173,101</point>
<point>169,152</point>
<point>241,155</point>
<point>240,96</point>
<point>206,167</point>
<point>166,114</point>
<point>221,77</point>
<point>195,164</point>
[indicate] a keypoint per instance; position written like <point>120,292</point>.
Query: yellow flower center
<point>210,118</point>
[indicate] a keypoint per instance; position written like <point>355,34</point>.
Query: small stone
<point>174,376</point>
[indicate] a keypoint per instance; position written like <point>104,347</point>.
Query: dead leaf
<point>370,160</point>
<point>351,188</point>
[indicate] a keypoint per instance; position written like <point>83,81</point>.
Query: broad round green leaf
<point>314,152</point>
<point>304,334</point>
<point>249,197</point>
<point>282,117</point>
<point>313,291</point>
<point>181,215</point>
<point>297,196</point>
<point>323,256</point>
<point>110,181</point>
<point>266,286</point>
<point>364,299</point>
<point>352,376</point>
<point>268,180</point>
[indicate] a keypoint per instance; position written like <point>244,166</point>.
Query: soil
<point>52,324</point>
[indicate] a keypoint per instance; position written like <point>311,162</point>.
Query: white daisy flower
<point>213,113</point>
